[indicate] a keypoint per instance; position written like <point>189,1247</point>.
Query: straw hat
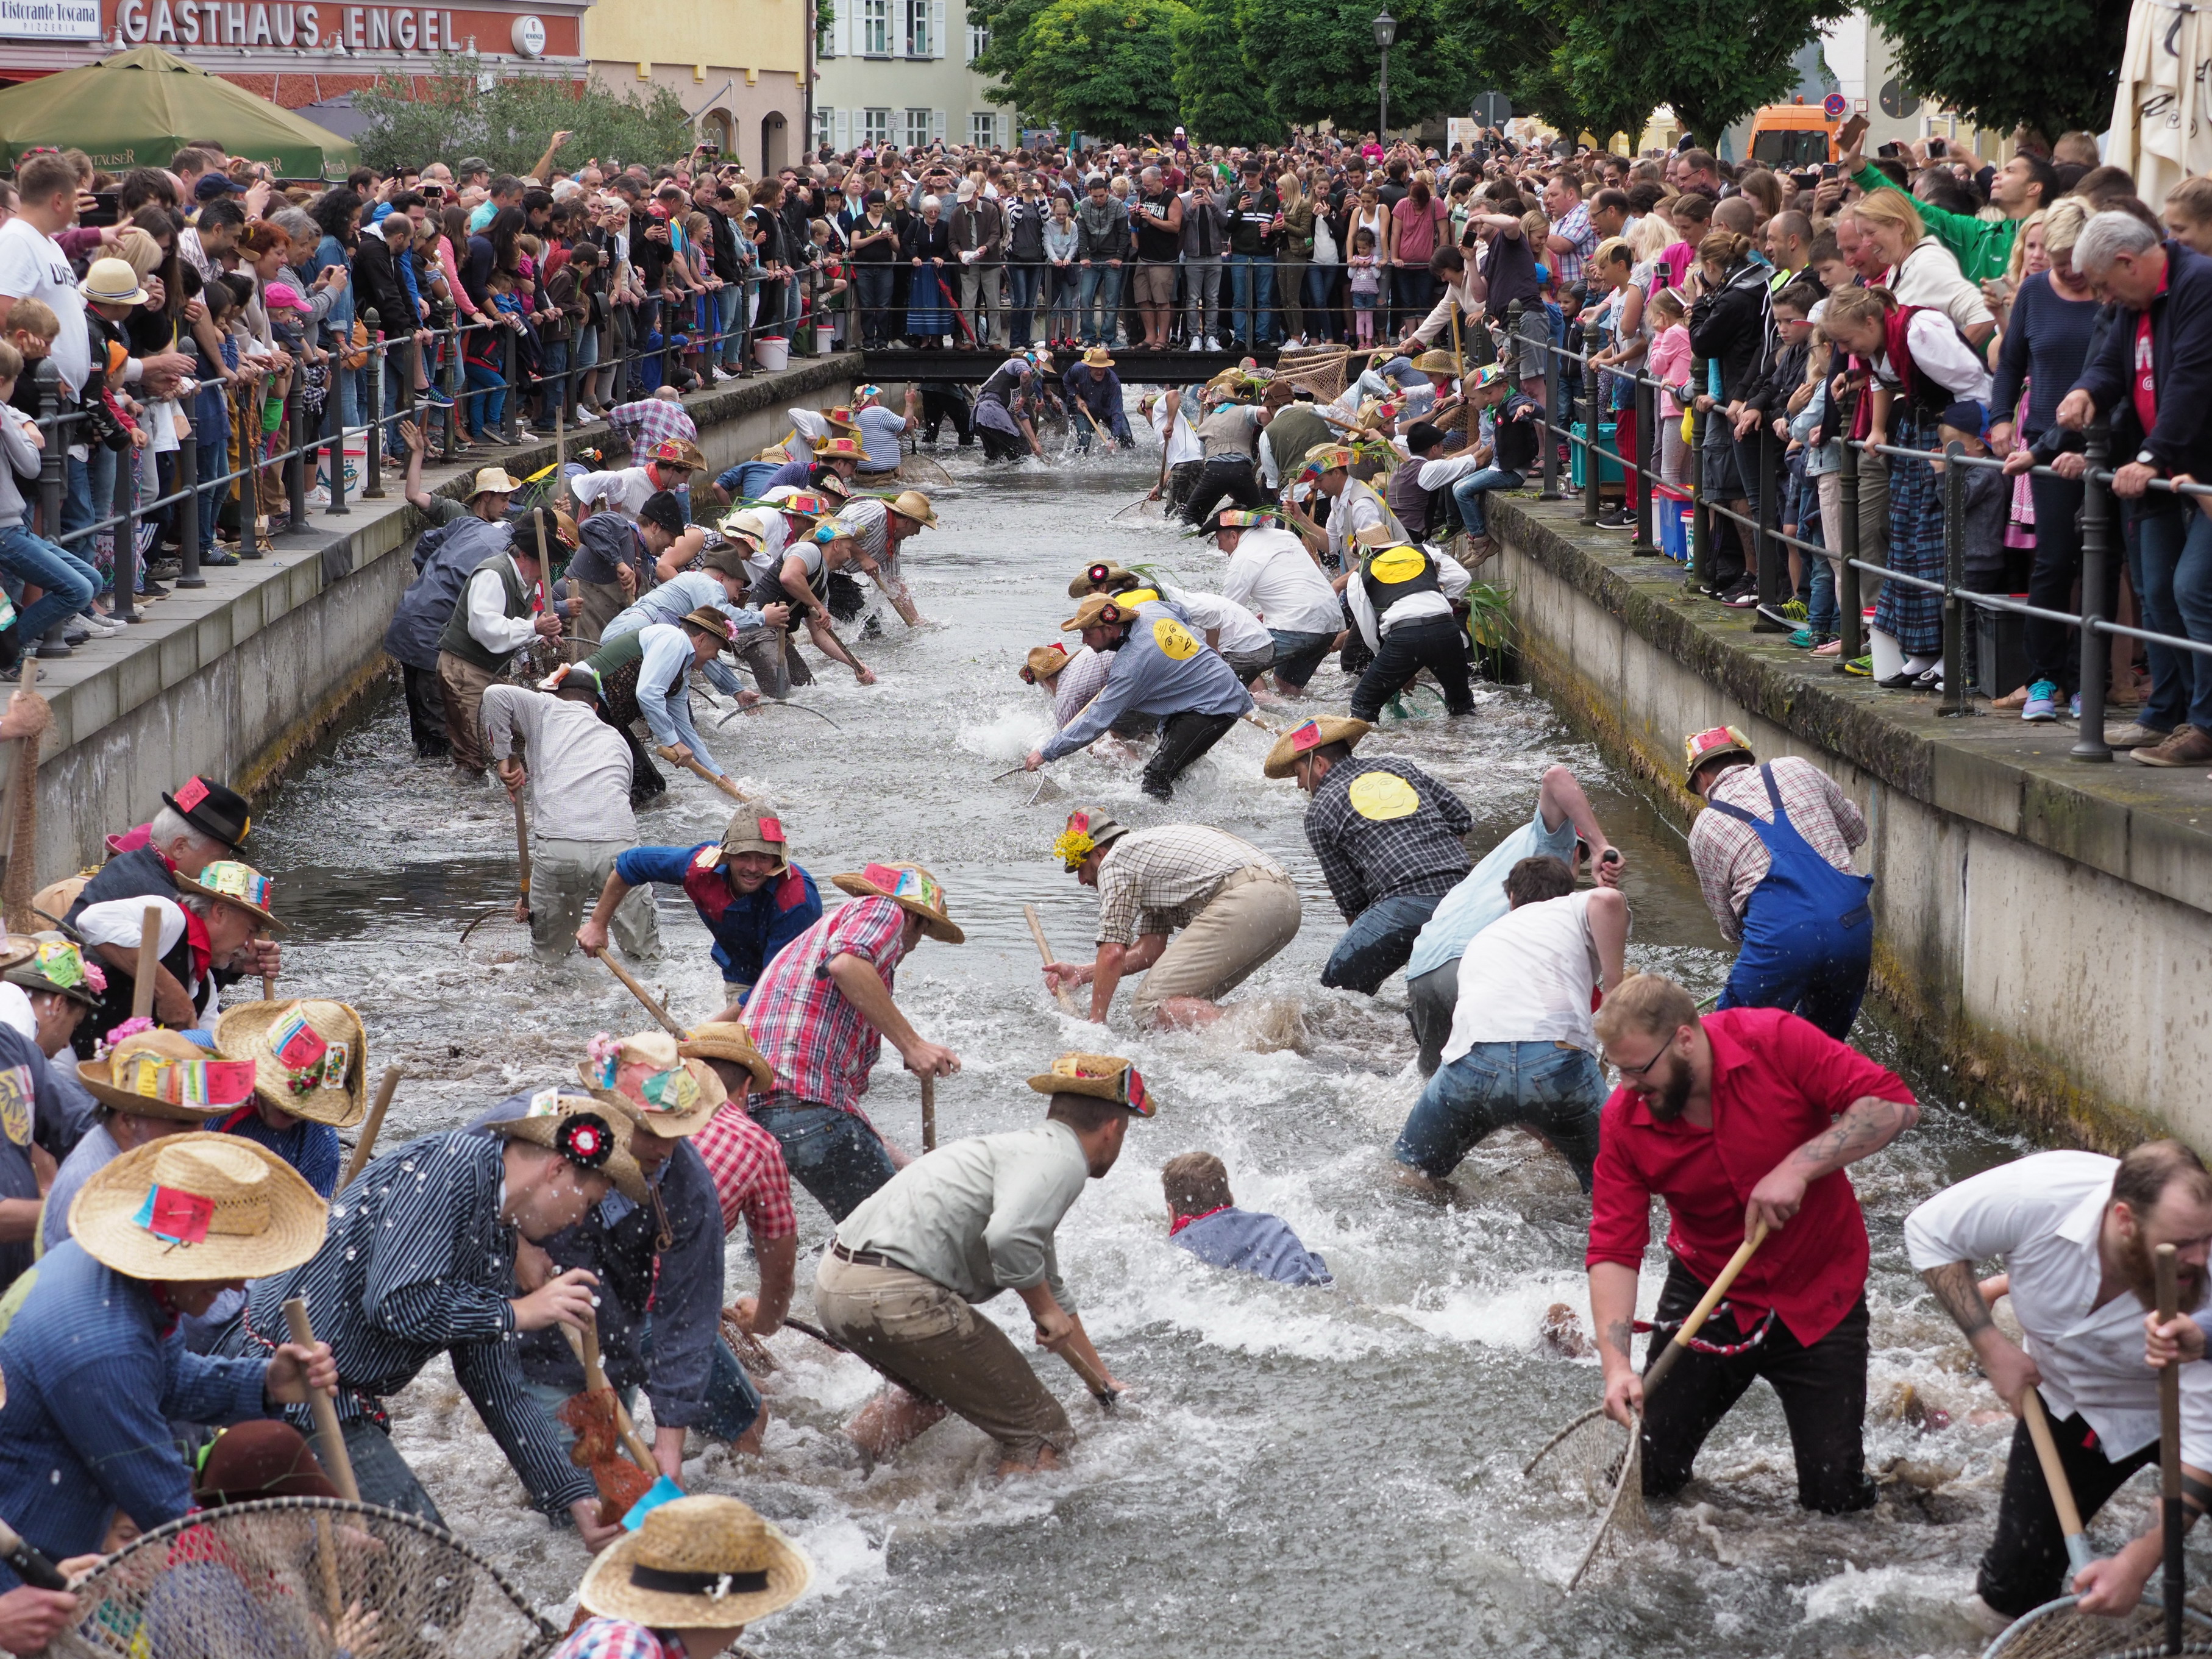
<point>753,827</point>
<point>1087,830</point>
<point>1376,536</point>
<point>803,503</point>
<point>15,949</point>
<point>1716,743</point>
<point>1097,608</point>
<point>166,1074</point>
<point>728,1039</point>
<point>583,1132</point>
<point>240,885</point>
<point>1097,575</point>
<point>1327,458</point>
<point>696,1563</point>
<point>493,481</point>
<point>199,1207</point>
<point>711,621</point>
<point>677,451</point>
<point>56,898</point>
<point>309,1058</point>
<point>112,281</point>
<point>1101,1077</point>
<point>1097,357</point>
<point>54,964</point>
<point>646,1078</point>
<point>1301,740</point>
<point>912,504</point>
<point>1438,362</point>
<point>915,892</point>
<point>744,522</point>
<point>1046,661</point>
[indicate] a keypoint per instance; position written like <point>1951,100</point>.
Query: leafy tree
<point>508,121</point>
<point>1222,99</point>
<point>1714,61</point>
<point>1320,62</point>
<point>1007,26</point>
<point>2054,64</point>
<point>1102,66</point>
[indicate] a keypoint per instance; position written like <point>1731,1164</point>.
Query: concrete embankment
<point>2044,926</point>
<point>234,679</point>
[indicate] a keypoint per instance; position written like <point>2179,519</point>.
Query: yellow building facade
<point>741,67</point>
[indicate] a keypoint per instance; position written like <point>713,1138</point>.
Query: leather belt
<point>860,1258</point>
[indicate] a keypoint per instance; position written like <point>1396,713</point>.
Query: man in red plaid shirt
<point>750,1176</point>
<point>819,1015</point>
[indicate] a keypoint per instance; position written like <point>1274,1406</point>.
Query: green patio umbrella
<point>138,108</point>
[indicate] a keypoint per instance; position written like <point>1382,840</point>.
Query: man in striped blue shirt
<point>420,1261</point>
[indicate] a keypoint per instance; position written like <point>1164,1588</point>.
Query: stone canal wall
<point>2044,926</point>
<point>236,678</point>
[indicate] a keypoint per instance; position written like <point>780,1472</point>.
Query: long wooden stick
<point>21,880</point>
<point>2078,1553</point>
<point>2169,1455</point>
<point>659,1013</point>
<point>901,601</point>
<point>149,963</point>
<point>586,1347</point>
<point>1037,932</point>
<point>330,1437</point>
<point>928,1113</point>
<point>365,1145</point>
<point>668,753</point>
<point>1101,1390</point>
<point>1704,1310</point>
<point>522,849</point>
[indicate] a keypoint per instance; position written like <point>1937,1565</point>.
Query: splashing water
<point>1329,1471</point>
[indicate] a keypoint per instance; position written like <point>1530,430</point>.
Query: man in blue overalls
<point>1772,852</point>
<point>752,898</point>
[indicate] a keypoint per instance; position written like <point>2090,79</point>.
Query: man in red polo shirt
<point>1751,1112</point>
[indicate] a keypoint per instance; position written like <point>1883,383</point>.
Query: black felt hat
<point>213,808</point>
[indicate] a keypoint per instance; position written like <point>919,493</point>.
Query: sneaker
<point>2187,747</point>
<point>1744,596</point>
<point>1212,344</point>
<point>1795,610</point>
<point>585,418</point>
<point>152,589</point>
<point>76,635</point>
<point>1863,667</point>
<point>98,627</point>
<point>1195,345</point>
<point>1616,518</point>
<point>2042,705</point>
<point>2135,735</point>
<point>523,435</point>
<point>318,498</point>
<point>218,560</point>
<point>2074,707</point>
<point>2016,698</point>
<point>437,399</point>
<point>1806,640</point>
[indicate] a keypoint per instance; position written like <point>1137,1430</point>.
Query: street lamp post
<point>1386,31</point>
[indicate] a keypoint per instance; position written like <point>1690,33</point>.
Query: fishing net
<point>591,1416</point>
<point>2059,1630</point>
<point>748,1348</point>
<point>1321,370</point>
<point>297,1578</point>
<point>1596,1464</point>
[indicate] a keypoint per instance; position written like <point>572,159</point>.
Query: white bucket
<point>772,353</point>
<point>825,338</point>
<point>1889,656</point>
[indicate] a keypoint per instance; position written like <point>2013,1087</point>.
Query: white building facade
<point>895,72</point>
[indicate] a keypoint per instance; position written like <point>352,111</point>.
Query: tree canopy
<point>1102,66</point>
<point>508,122</point>
<point>1217,92</point>
<point>2053,64</point>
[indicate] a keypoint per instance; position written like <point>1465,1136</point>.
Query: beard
<point>2142,1274</point>
<point>1672,1101</point>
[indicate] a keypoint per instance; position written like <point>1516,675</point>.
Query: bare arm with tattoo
<point>1864,1128</point>
<point>2010,1372</point>
<point>1612,1315</point>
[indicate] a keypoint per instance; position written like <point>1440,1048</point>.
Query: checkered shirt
<point>1154,881</point>
<point>750,1178</point>
<point>1575,227</point>
<point>651,422</point>
<point>812,1038</point>
<point>1727,853</point>
<point>612,1639</point>
<point>1367,861</point>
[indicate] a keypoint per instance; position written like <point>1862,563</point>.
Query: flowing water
<point>1324,1471</point>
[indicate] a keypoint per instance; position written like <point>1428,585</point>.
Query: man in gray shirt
<point>898,1284</point>
<point>579,779</point>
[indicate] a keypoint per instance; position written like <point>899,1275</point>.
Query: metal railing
<point>1771,544</point>
<point>63,422</point>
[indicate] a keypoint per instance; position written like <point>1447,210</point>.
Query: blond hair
<point>139,249</point>
<point>1890,207</point>
<point>2064,219</point>
<point>35,318</point>
<point>11,362</point>
<point>1649,1003</point>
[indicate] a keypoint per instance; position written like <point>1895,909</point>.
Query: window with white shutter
<point>920,40</point>
<point>979,40</point>
<point>876,28</point>
<point>918,128</point>
<point>875,128</point>
<point>936,29</point>
<point>844,138</point>
<point>937,127</point>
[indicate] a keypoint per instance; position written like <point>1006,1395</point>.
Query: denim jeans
<point>68,580</point>
<point>213,455</point>
<point>875,285</point>
<point>90,481</point>
<point>1060,322</point>
<point>1322,321</point>
<point>1378,942</point>
<point>1822,614</point>
<point>2177,568</point>
<point>1103,284</point>
<point>2173,673</point>
<point>486,400</point>
<point>833,1154</point>
<point>382,1474</point>
<point>1296,656</point>
<point>1251,292</point>
<point>1549,1087</point>
<point>1023,284</point>
<point>1468,493</point>
<point>553,377</point>
<point>1201,295</point>
<point>727,300</point>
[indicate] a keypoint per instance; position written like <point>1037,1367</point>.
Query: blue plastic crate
<point>1674,528</point>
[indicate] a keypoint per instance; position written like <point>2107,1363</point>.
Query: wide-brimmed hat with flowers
<point>310,1057</point>
<point>199,1207</point>
<point>1101,1077</point>
<point>232,883</point>
<point>591,1136</point>
<point>646,1077</point>
<point>157,1073</point>
<point>914,890</point>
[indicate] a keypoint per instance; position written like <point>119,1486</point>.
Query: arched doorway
<point>775,144</point>
<point>716,128</point>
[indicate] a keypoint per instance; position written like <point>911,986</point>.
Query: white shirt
<point>489,625</point>
<point>1943,357</point>
<point>1273,575</point>
<point>578,765</point>
<point>1527,978</point>
<point>2042,1215</point>
<point>1177,437</point>
<point>1240,629</point>
<point>625,489</point>
<point>1929,275</point>
<point>1451,576</point>
<point>1357,509</point>
<point>34,267</point>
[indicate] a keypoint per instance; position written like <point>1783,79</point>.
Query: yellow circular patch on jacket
<point>1383,796</point>
<point>1397,564</point>
<point>1173,638</point>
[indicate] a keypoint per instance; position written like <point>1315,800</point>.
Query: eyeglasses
<point>1627,1072</point>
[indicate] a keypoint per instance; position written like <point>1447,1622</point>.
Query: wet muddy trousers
<point>1822,1389</point>
<point>2025,1563</point>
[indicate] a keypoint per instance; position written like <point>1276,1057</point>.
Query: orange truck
<point>1793,136</point>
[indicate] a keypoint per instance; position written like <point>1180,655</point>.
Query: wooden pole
<point>363,1147</point>
<point>668,753</point>
<point>1037,932</point>
<point>329,1436</point>
<point>1704,1310</point>
<point>928,1113</point>
<point>2169,1456</point>
<point>149,963</point>
<point>659,1013</point>
<point>522,851</point>
<point>21,880</point>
